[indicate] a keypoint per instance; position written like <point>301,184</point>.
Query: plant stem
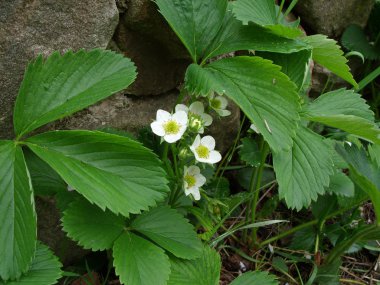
<point>308,224</point>
<point>258,177</point>
<point>280,10</point>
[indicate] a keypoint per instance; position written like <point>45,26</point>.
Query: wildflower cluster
<point>185,127</point>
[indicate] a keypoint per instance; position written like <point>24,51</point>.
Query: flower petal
<point>196,143</point>
<point>209,142</point>
<point>171,138</point>
<point>180,117</point>
<point>200,180</point>
<point>207,119</point>
<point>181,107</point>
<point>197,108</point>
<point>194,191</point>
<point>214,157</point>
<point>157,128</point>
<point>223,102</point>
<point>193,170</point>
<point>223,113</point>
<point>163,115</point>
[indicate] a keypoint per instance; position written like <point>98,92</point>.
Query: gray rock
<point>331,17</point>
<point>144,36</point>
<point>31,27</point>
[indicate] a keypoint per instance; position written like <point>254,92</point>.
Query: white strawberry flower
<point>203,150</point>
<point>192,181</point>
<point>198,119</point>
<point>219,105</point>
<point>170,127</point>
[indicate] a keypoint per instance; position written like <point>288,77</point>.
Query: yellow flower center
<point>202,151</point>
<point>216,104</point>
<point>171,127</point>
<point>190,180</point>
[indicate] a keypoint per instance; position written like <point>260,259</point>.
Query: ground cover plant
<point>160,204</point>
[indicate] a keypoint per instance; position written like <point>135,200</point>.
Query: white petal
<point>163,115</point>
<point>182,129</point>
<point>200,159</point>
<point>214,157</point>
<point>209,142</point>
<point>180,117</point>
<point>193,170</point>
<point>181,107</point>
<point>197,108</point>
<point>194,191</point>
<point>172,137</point>
<point>196,143</point>
<point>207,119</point>
<point>223,113</point>
<point>223,102</point>
<point>200,180</point>
<point>158,128</point>
<point>196,195</point>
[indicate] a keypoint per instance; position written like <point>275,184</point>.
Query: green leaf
<point>325,205</point>
<point>304,171</point>
<point>355,39</point>
<point>18,230</point>
<point>304,239</point>
<point>234,36</point>
<point>341,185</point>
<point>139,262</point>
<point>345,110</point>
<point>44,270</point>
<point>250,152</point>
<point>339,102</point>
<point>90,226</point>
<point>265,95</point>
<point>44,179</point>
<point>255,278</point>
<point>327,53</point>
<point>295,65</point>
<point>111,171</point>
<point>364,172</point>
<point>263,13</point>
<point>202,271</point>
<point>167,228</point>
<point>196,22</point>
<point>63,84</point>
<point>374,152</point>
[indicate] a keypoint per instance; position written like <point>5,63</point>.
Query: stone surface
<point>145,37</point>
<point>331,17</point>
<point>29,27</point>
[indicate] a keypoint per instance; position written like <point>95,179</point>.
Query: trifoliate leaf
<point>364,172</point>
<point>18,230</point>
<point>355,39</point>
<point>196,22</point>
<point>341,185</point>
<point>234,36</point>
<point>140,262</point>
<point>90,226</point>
<point>250,152</point>
<point>111,171</point>
<point>295,65</point>
<point>202,271</point>
<point>265,95</point>
<point>327,53</point>
<point>265,14</point>
<point>304,171</point>
<point>44,270</point>
<point>255,278</point>
<point>345,110</point>
<point>167,228</point>
<point>45,180</point>
<point>63,84</point>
